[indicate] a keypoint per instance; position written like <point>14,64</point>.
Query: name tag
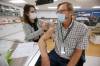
<point>62,50</point>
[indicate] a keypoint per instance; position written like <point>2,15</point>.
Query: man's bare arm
<point>42,41</point>
<point>43,47</point>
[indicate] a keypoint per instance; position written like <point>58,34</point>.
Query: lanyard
<point>68,31</point>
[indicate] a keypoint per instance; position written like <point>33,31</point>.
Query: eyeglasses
<point>62,11</point>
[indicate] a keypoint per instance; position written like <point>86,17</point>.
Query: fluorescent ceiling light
<point>17,1</point>
<point>55,0</point>
<point>52,7</point>
<point>96,7</point>
<point>37,7</point>
<point>76,7</point>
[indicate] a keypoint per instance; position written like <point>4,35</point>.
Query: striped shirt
<point>77,38</point>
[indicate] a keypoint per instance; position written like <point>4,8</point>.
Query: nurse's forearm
<point>34,34</point>
<point>38,33</point>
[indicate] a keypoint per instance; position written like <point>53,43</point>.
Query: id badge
<point>62,50</point>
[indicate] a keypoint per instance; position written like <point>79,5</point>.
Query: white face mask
<point>32,15</point>
<point>61,17</point>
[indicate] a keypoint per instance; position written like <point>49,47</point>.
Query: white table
<point>26,54</point>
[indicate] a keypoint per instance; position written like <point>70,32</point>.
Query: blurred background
<point>12,34</point>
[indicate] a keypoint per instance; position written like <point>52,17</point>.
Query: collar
<point>69,25</point>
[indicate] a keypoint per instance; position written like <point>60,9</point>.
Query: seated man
<point>71,39</point>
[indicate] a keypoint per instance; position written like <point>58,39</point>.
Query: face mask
<point>32,15</point>
<point>61,17</point>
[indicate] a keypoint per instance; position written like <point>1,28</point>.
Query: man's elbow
<point>42,39</point>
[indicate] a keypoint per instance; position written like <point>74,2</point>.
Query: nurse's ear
<point>27,14</point>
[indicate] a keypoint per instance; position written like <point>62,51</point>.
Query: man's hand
<point>75,57</point>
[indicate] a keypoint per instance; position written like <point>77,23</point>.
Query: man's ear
<point>73,17</point>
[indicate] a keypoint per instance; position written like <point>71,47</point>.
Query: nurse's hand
<point>44,25</point>
<point>52,23</point>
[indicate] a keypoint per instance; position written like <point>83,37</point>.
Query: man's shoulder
<point>80,25</point>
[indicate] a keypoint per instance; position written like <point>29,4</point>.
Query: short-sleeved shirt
<point>77,38</point>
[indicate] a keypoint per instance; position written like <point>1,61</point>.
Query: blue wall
<point>93,12</point>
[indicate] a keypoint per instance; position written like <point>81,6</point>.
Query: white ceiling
<point>82,3</point>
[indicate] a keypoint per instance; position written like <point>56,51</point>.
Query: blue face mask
<point>61,18</point>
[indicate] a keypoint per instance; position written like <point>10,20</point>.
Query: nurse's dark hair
<point>26,11</point>
<point>68,5</point>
